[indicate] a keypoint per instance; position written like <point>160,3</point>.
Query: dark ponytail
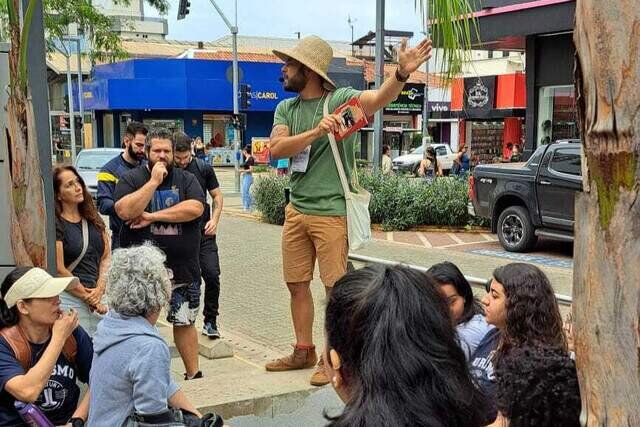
<point>9,316</point>
<point>400,358</point>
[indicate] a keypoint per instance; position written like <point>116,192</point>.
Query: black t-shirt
<point>250,161</point>
<point>70,234</point>
<point>207,179</point>
<point>59,398</point>
<point>179,241</point>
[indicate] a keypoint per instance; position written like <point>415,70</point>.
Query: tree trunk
<point>26,204</point>
<point>606,288</point>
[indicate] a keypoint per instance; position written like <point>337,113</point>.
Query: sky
<point>283,18</point>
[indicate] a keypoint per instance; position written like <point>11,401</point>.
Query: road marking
<point>424,240</point>
<point>538,259</point>
<point>390,236</point>
<point>455,238</point>
<point>488,238</point>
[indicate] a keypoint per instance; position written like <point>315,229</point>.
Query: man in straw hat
<point>315,225</point>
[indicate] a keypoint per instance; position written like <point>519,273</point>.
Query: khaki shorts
<point>307,237</point>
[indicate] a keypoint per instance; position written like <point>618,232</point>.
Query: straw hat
<point>313,52</point>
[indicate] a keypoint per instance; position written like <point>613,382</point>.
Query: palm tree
<point>606,287</point>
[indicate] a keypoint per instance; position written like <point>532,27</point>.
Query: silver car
<point>89,162</point>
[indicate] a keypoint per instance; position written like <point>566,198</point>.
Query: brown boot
<point>320,377</point>
<point>301,358</point>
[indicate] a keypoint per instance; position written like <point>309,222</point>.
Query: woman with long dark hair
<point>521,304</point>
<point>43,351</point>
<point>392,355</point>
<point>465,309</point>
<point>82,246</point>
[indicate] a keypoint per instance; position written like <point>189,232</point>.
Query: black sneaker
<point>197,375</point>
<point>211,330</point>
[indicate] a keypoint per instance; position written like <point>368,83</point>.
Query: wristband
<point>76,422</point>
<point>400,78</point>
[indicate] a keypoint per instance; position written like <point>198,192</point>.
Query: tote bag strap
<point>336,153</point>
<point>85,246</point>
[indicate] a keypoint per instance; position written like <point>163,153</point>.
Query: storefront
<point>544,30</point>
<point>491,110</point>
<point>194,96</point>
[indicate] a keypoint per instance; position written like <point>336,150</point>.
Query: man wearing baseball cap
<point>315,225</point>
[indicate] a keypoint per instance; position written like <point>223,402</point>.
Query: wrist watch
<point>400,78</point>
<point>76,422</point>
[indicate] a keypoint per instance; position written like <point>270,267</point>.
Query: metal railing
<point>473,281</point>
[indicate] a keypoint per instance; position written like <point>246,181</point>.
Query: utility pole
<point>234,41</point>
<point>72,121</point>
<point>351,22</point>
<point>379,115</point>
<point>425,105</point>
<point>76,39</point>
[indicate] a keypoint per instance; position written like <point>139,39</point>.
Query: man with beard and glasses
<point>113,170</point>
<point>163,204</point>
<point>316,224</point>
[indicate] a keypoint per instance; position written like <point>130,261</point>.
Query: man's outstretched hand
<point>410,59</point>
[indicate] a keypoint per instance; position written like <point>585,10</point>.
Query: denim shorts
<point>184,304</point>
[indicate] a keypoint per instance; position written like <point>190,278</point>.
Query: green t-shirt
<point>318,190</point>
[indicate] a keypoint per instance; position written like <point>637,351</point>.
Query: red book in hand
<point>352,118</point>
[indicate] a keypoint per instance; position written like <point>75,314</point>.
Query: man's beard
<point>169,166</point>
<point>296,83</point>
<point>134,155</point>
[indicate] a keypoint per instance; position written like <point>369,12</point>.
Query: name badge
<point>301,161</point>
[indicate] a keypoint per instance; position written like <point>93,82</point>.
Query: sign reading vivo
<point>180,84</point>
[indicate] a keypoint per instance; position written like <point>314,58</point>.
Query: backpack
<point>17,340</point>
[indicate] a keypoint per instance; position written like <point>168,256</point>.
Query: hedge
<point>397,202</point>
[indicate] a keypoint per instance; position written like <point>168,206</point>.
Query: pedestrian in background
<point>209,260</point>
<point>82,246</point>
<point>430,167</point>
<point>111,172</point>
<point>164,204</point>
<point>247,178</point>
<point>387,164</point>
<point>392,354</point>
<point>199,148</point>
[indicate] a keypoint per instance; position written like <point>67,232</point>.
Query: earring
<point>334,380</point>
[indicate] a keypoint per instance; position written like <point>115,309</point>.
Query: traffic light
<point>183,8</point>
<point>245,94</point>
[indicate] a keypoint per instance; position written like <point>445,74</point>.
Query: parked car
<point>89,162</point>
<point>409,163</point>
<point>527,200</point>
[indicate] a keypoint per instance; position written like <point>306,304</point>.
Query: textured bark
<point>27,209</point>
<point>606,288</point>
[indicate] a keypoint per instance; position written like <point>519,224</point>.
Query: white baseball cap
<point>37,283</point>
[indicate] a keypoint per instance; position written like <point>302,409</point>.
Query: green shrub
<point>397,202</point>
<point>268,192</point>
<point>261,168</point>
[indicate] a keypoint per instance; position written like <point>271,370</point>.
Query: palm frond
<point>453,26</point>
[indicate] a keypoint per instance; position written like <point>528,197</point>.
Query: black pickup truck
<point>527,200</point>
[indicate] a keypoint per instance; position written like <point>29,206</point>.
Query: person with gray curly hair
<point>131,362</point>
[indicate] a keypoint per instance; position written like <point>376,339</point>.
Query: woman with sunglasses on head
<point>82,246</point>
<point>521,304</point>
<point>43,351</point>
<point>465,309</point>
<point>392,355</point>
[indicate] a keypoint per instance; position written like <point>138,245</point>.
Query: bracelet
<point>400,78</point>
